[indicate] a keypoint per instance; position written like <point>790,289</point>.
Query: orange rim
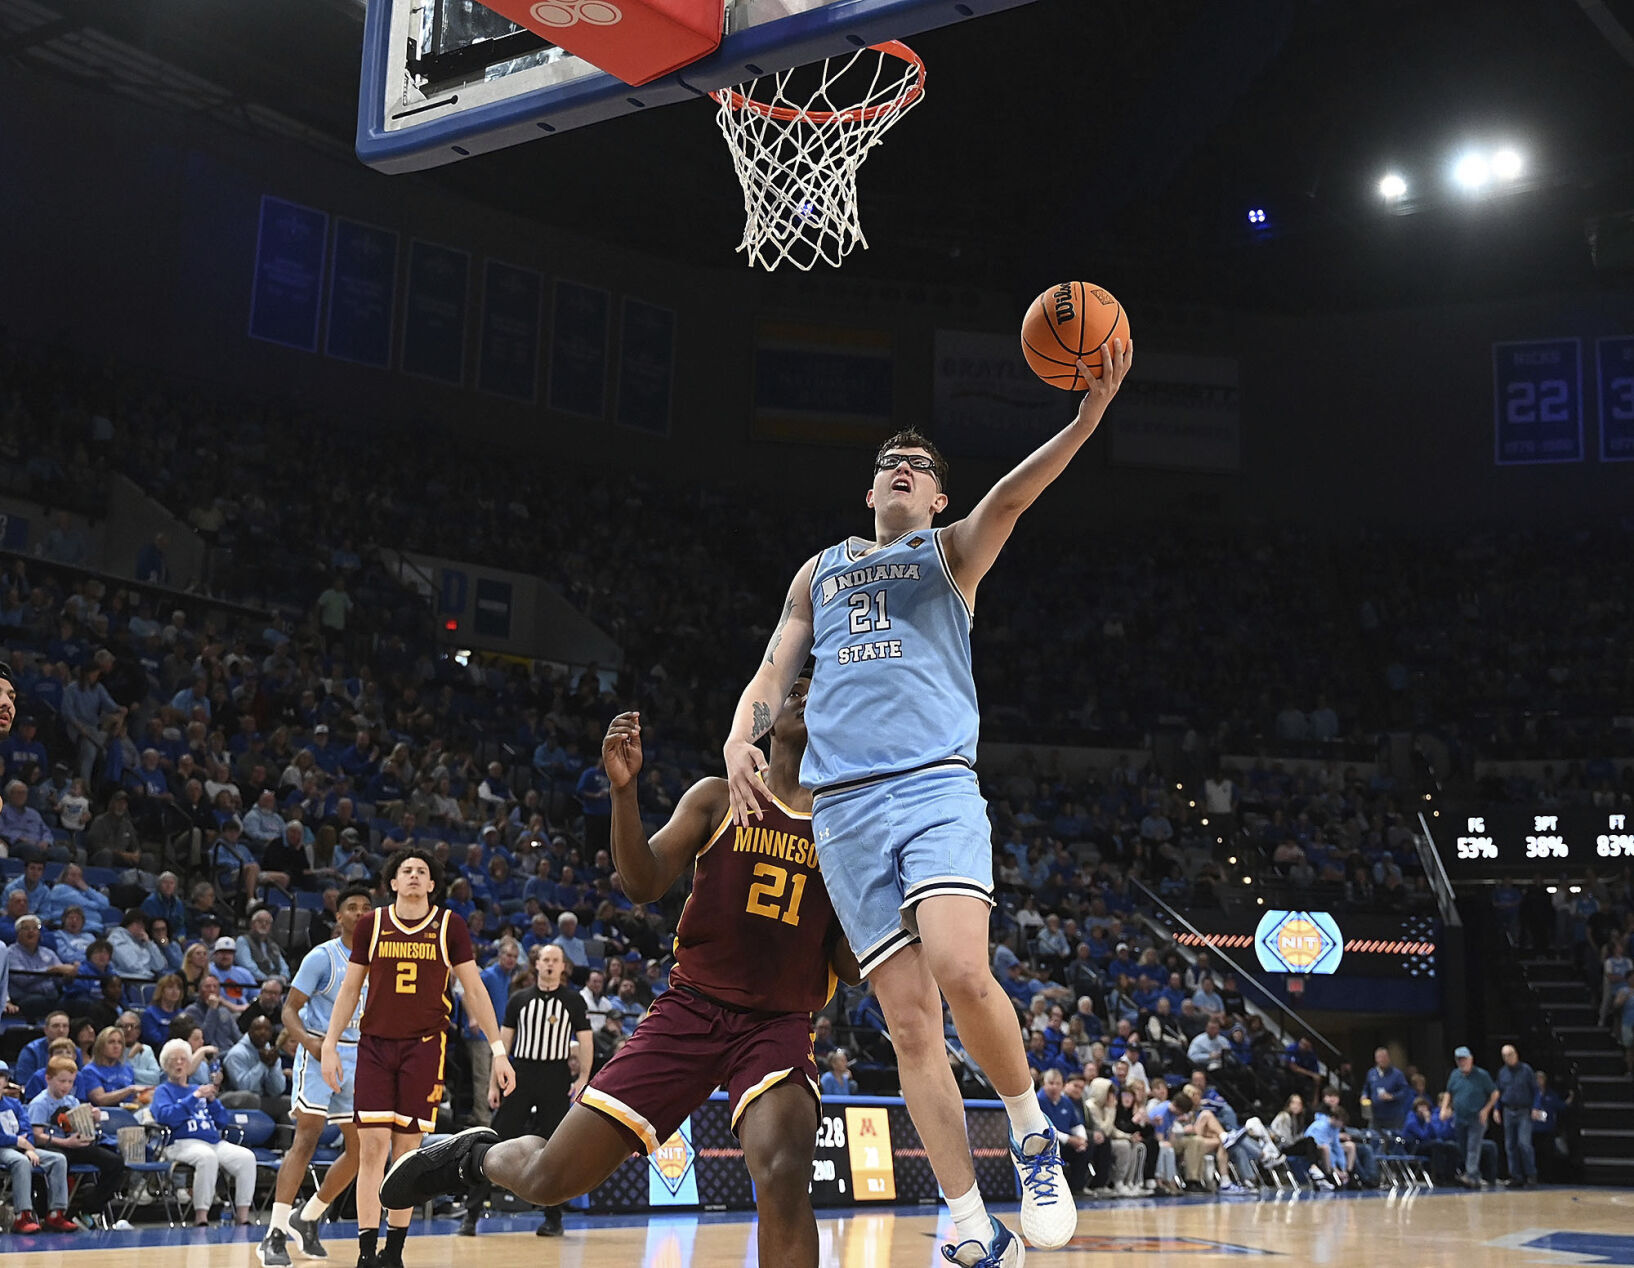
<point>858,114</point>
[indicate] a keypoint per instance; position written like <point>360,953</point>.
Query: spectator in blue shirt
<point>837,1079</point>
<point>88,712</point>
<point>107,1078</point>
<point>33,1054</point>
<point>595,797</point>
<point>253,1069</point>
<point>496,979</point>
<point>1338,1154</point>
<point>157,1016</point>
<point>165,901</point>
<point>195,1118</point>
<point>37,974</point>
<point>46,1117</point>
<point>567,937</point>
<point>24,831</point>
<point>72,891</point>
<point>1066,1118</point>
<point>31,884</point>
<point>1430,1136</point>
<point>20,1157</point>
<point>1207,999</point>
<point>1388,1093</point>
<point>1517,1091</point>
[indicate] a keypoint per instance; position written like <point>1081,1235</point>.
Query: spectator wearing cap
<point>494,793</point>
<point>1467,1104</point>
<point>1386,1092</point>
<point>21,747</point>
<point>72,891</point>
<point>165,902</point>
<point>112,839</point>
<point>32,885</point>
<point>567,937</point>
<point>1122,964</point>
<point>1517,1091</point>
<point>24,831</point>
<point>235,978</point>
<point>135,955</point>
<point>37,975</point>
<point>324,753</point>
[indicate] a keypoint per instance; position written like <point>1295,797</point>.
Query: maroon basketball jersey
<point>411,991</point>
<point>756,929</point>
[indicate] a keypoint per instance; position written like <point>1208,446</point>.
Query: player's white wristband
<point>497,1047</point>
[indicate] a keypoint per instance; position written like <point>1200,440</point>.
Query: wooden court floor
<point>1484,1230</point>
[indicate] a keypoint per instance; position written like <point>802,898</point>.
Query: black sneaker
<point>550,1228</point>
<point>432,1170</point>
<point>366,1260</point>
<point>272,1252</point>
<point>385,1260</point>
<point>468,1225</point>
<point>305,1233</point>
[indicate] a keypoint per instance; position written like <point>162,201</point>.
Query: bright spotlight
<point>1392,187</point>
<point>1472,171</point>
<point>1506,165</point>
<point>1256,215</point>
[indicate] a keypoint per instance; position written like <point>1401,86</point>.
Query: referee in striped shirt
<point>540,1028</point>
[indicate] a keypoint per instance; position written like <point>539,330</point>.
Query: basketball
<point>1066,322</point>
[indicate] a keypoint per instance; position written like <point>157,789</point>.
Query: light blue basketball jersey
<point>892,689</point>
<point>319,978</point>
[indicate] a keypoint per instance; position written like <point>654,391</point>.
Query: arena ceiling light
<point>1392,187</point>
<point>1507,164</point>
<point>1472,171</point>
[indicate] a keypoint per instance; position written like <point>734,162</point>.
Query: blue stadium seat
<point>155,1173</point>
<point>307,901</point>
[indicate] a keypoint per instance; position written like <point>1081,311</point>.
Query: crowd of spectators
<point>1504,643</point>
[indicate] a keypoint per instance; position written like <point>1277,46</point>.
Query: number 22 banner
<point>1537,401</point>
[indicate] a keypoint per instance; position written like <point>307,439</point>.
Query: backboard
<point>446,79</point>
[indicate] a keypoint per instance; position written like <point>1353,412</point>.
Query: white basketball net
<point>797,151</point>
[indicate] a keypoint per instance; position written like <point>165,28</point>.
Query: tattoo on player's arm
<point>777,634</point>
<point>762,720</point>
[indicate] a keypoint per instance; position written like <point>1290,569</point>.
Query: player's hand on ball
<point>748,795</point>
<point>503,1075</point>
<point>621,749</point>
<point>1116,356</point>
<point>331,1069</point>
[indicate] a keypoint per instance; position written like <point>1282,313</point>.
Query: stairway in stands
<point>1605,1099</point>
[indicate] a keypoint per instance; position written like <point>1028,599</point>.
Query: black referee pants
<point>535,1107</point>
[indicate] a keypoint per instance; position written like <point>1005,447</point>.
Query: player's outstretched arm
<point>648,868</point>
<point>973,543</point>
<point>786,652</point>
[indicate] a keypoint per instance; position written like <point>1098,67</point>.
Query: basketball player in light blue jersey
<point>314,1105</point>
<point>901,827</point>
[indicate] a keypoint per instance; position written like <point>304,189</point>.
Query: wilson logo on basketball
<point>560,13</point>
<point>1063,302</point>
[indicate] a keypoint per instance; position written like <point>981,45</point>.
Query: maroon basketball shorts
<point>399,1082</point>
<point>684,1049</point>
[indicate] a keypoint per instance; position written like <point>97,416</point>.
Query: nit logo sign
<point>672,1178</point>
<point>1299,942</point>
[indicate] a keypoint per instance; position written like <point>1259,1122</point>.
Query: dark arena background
<point>388,399</point>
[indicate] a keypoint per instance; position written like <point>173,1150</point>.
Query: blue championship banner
<point>1616,374</point>
<point>362,294</point>
<point>578,350</point>
<point>508,356</point>
<point>434,313</point>
<point>1537,401</point>
<point>288,282</point>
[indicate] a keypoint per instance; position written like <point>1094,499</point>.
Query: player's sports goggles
<point>918,461</point>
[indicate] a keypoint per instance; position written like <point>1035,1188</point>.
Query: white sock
<point>314,1209</point>
<point>970,1219</point>
<point>1025,1115</point>
<point>280,1216</point>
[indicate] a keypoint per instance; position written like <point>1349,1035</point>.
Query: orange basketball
<point>1066,322</point>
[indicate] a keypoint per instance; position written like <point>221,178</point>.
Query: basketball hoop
<point>797,151</point>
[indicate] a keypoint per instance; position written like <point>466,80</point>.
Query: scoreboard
<point>1521,840</point>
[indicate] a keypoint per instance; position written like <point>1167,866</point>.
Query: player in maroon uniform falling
<point>757,951</point>
<point>410,952</point>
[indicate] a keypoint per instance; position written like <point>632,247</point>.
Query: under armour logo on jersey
<point>561,13</point>
<point>824,834</point>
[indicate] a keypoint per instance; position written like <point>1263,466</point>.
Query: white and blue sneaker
<point>1003,1250</point>
<point>1049,1217</point>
